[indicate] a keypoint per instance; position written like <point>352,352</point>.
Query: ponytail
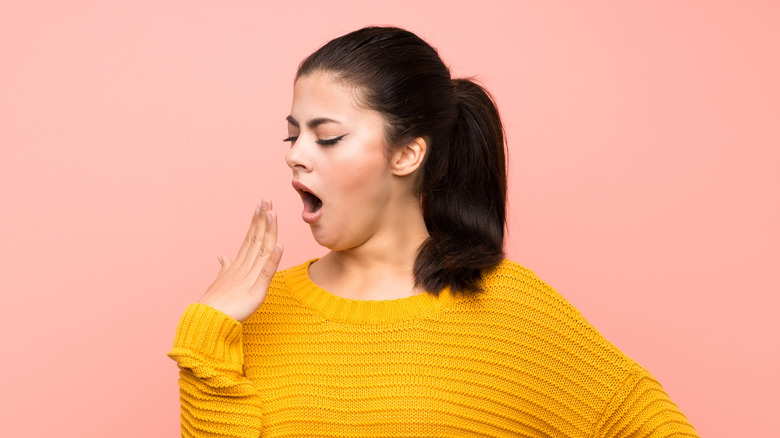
<point>463,180</point>
<point>463,197</point>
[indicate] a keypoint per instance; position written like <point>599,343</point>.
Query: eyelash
<point>328,142</point>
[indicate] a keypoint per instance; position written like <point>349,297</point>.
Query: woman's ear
<point>408,158</point>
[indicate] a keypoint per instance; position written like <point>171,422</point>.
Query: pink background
<point>137,138</point>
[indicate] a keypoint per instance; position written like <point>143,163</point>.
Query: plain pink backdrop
<point>137,138</point>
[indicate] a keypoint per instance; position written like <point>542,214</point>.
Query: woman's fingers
<point>268,268</point>
<point>269,240</point>
<point>257,247</point>
<point>254,236</point>
<point>242,285</point>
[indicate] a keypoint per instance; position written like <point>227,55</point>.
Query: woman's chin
<point>321,237</point>
<point>330,241</point>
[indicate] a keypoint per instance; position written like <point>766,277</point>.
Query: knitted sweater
<point>518,360</point>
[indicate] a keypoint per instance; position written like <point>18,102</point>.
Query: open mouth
<point>311,203</point>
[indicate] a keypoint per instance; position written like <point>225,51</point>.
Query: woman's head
<point>393,72</point>
<point>462,180</point>
<point>352,191</point>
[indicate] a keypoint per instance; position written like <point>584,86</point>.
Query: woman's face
<point>337,154</point>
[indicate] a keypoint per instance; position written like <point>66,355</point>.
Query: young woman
<point>414,324</point>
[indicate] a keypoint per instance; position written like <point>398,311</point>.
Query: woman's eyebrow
<point>313,123</point>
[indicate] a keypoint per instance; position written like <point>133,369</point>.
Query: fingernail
<point>257,211</point>
<point>263,205</point>
<point>268,217</point>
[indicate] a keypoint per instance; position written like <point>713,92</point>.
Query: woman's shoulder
<point>280,288</point>
<point>283,276</point>
<point>521,288</point>
<point>549,333</point>
<point>541,311</point>
<point>512,281</point>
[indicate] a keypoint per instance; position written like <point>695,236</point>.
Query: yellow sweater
<point>518,361</point>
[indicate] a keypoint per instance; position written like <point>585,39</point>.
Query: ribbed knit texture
<point>517,361</point>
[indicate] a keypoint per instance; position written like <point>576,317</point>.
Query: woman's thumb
<point>225,262</point>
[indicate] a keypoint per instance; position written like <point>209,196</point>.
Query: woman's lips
<point>312,204</point>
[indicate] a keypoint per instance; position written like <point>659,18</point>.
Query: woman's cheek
<point>361,180</point>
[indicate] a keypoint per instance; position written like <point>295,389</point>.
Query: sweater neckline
<point>336,308</point>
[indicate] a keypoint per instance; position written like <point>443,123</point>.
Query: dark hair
<point>463,184</point>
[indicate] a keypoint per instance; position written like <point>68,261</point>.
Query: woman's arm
<point>216,397</point>
<point>641,408</point>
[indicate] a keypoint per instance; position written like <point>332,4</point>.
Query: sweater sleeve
<point>216,397</point>
<point>641,408</point>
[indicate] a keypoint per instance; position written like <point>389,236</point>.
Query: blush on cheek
<point>362,176</point>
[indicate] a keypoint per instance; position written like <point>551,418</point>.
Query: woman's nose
<point>297,158</point>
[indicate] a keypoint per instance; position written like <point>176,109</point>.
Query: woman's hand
<point>241,285</point>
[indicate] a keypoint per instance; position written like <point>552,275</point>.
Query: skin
<point>371,219</point>
<point>241,285</point>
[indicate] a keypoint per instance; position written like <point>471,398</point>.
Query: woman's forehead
<point>321,96</point>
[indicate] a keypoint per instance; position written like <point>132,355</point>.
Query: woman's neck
<point>383,267</point>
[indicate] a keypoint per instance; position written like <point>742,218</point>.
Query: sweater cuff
<point>207,334</point>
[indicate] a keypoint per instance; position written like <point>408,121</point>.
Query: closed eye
<point>324,142</point>
<point>330,141</point>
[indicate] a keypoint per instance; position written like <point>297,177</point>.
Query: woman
<point>413,324</point>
